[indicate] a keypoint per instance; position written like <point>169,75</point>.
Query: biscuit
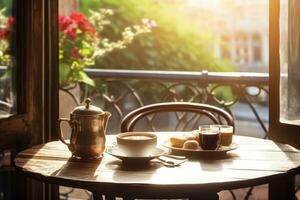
<point>191,144</point>
<point>177,141</point>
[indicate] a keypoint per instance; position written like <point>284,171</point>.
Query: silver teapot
<point>88,124</point>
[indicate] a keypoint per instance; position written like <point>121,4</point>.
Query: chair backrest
<point>215,114</point>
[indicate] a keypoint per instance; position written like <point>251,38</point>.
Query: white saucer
<point>118,153</point>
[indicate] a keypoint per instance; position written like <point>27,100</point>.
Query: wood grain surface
<point>256,161</point>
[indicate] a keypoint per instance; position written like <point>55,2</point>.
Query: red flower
<point>82,23</point>
<point>11,21</point>
<point>77,17</point>
<point>4,34</point>
<point>85,27</point>
<point>75,53</point>
<point>71,32</point>
<point>64,22</point>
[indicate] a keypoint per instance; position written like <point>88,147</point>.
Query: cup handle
<point>61,137</point>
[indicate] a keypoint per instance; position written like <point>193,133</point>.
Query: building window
<point>241,48</point>
<point>257,46</point>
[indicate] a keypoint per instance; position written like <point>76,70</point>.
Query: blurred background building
<point>241,28</point>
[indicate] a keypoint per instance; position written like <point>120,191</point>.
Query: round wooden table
<point>255,162</point>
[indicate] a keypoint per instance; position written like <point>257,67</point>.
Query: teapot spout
<point>106,116</point>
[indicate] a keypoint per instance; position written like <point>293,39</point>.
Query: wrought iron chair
<point>214,114</point>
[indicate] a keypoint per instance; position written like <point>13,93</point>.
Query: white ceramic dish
<point>200,152</point>
<point>118,153</point>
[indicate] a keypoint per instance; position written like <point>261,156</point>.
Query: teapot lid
<point>87,109</point>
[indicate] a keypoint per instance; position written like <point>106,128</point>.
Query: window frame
<point>278,131</point>
<point>37,90</point>
<point>37,75</point>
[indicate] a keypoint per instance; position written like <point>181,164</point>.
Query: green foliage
<point>225,94</point>
<point>81,42</point>
<point>7,4</point>
<point>175,44</point>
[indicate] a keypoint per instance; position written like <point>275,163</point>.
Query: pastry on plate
<point>177,141</point>
<point>191,144</point>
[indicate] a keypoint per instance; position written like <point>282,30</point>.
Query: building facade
<point>240,28</point>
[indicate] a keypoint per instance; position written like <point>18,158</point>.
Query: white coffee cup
<point>137,144</point>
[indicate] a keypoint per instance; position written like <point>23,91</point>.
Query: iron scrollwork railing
<point>121,91</point>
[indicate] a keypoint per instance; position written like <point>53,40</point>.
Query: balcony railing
<point>244,95</point>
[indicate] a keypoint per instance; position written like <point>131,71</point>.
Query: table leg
<point>20,184</point>
<point>283,188</point>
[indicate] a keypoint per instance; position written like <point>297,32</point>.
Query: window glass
<point>290,61</point>
<point>7,59</point>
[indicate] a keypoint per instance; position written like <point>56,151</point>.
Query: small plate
<point>118,153</point>
<point>200,152</point>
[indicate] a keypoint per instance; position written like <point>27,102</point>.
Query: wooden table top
<point>256,161</point>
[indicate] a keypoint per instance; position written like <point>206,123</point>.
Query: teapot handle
<point>61,137</point>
